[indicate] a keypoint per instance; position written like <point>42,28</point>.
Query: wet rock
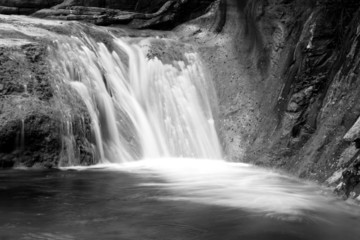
<point>354,132</point>
<point>167,51</point>
<point>25,7</point>
<point>347,156</point>
<point>29,3</point>
<point>9,10</point>
<point>335,178</point>
<point>125,5</point>
<point>6,162</point>
<point>309,92</point>
<point>164,14</point>
<point>350,183</point>
<point>32,110</point>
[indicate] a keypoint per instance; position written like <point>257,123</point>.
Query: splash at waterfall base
<point>167,199</point>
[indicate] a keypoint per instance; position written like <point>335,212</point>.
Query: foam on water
<point>234,185</point>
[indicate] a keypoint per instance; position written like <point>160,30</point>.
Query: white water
<point>235,186</point>
<point>139,108</point>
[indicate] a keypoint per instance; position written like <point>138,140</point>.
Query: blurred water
<point>153,199</point>
<point>139,107</point>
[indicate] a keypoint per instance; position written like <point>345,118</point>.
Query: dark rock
<point>25,7</point>
<point>160,14</point>
<point>349,185</point>
<point>304,59</point>
<point>5,162</point>
<point>125,5</point>
<point>31,116</point>
<point>29,3</point>
<point>9,10</point>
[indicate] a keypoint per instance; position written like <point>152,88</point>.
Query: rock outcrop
<point>161,14</point>
<point>286,74</point>
<point>34,110</point>
<point>307,58</point>
<point>25,7</point>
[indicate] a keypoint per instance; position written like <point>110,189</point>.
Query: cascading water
<point>139,107</point>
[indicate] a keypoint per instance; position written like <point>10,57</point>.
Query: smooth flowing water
<point>159,175</point>
<point>139,107</point>
<point>169,199</point>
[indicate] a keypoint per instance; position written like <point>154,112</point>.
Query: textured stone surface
<point>32,110</point>
<point>286,75</point>
<point>25,7</point>
<point>354,132</point>
<point>307,57</point>
<point>160,14</point>
<point>29,3</point>
<point>126,5</point>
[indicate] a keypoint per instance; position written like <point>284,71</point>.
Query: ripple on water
<point>237,185</point>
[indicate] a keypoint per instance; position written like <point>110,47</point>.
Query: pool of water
<point>169,200</point>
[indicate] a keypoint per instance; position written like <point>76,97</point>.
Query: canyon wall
<point>286,75</point>
<point>293,103</point>
<point>311,86</point>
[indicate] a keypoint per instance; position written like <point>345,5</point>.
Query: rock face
<point>327,74</point>
<point>162,14</point>
<point>33,119</point>
<point>304,62</point>
<point>286,74</point>
<point>126,5</point>
<point>25,7</point>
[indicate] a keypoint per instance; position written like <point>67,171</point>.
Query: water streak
<point>139,107</point>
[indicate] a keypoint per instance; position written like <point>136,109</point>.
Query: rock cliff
<point>308,58</point>
<point>286,74</point>
<point>288,85</point>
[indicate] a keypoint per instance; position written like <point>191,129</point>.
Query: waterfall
<point>139,107</point>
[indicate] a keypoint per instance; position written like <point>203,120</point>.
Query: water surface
<point>179,200</point>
